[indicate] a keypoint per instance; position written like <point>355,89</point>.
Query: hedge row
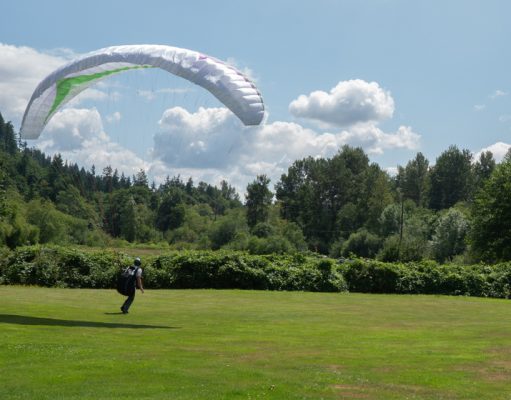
<point>428,277</point>
<point>66,267</point>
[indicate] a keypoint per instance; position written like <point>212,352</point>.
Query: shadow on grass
<point>25,320</point>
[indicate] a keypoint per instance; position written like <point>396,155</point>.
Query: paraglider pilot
<point>137,283</point>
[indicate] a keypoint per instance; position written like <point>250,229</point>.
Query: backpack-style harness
<point>127,281</point>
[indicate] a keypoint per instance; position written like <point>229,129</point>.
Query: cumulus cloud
<point>498,93</point>
<point>499,150</point>
<point>89,94</point>
<point>203,139</point>
<point>21,69</point>
<point>209,144</point>
<point>375,141</point>
<point>212,143</point>
<point>150,95</point>
<point>392,171</point>
<point>114,117</point>
<point>78,135</point>
<point>349,103</point>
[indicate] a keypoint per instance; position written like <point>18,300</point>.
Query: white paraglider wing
<point>226,83</point>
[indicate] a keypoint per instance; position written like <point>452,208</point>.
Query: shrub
<point>68,267</point>
<point>428,277</point>
<point>362,244</point>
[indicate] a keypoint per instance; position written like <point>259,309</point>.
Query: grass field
<point>206,344</point>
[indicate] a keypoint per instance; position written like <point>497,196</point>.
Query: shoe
<point>124,311</point>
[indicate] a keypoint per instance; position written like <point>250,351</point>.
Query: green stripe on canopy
<point>64,86</point>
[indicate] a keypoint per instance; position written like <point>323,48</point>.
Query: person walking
<point>136,271</point>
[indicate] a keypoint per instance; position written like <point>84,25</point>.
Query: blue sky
<point>436,72</point>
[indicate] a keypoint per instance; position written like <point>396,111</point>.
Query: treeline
<point>458,209</point>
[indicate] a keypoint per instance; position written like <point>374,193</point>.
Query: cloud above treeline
<point>349,103</point>
<point>79,136</point>
<point>499,150</point>
<point>207,144</point>
<point>21,69</point>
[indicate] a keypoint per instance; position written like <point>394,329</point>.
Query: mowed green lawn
<point>207,344</point>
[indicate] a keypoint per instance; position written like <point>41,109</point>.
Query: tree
<point>406,229</point>
<point>348,220</point>
<point>258,200</point>
<point>7,137</point>
<point>314,192</point>
<point>128,219</point>
<point>414,180</point>
<point>51,224</point>
<point>449,237</point>
<point>229,193</point>
<point>377,196</point>
<point>108,184</point>
<point>483,169</point>
<point>362,244</point>
<point>451,178</point>
<point>120,214</point>
<point>15,230</point>
<point>171,211</point>
<point>140,179</point>
<point>3,194</point>
<point>491,217</point>
<point>390,220</point>
<point>225,229</point>
<point>56,177</point>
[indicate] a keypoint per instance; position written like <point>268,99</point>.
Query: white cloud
<point>209,145</point>
<point>498,93</point>
<point>114,117</point>
<point>204,139</point>
<point>498,150</point>
<point>349,103</point>
<point>479,107</point>
<point>150,95</point>
<point>212,143</point>
<point>21,69</point>
<point>505,118</point>
<point>392,171</point>
<point>89,94</point>
<point>78,135</point>
<point>375,141</point>
<point>243,69</point>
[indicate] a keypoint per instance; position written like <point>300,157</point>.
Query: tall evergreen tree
<point>451,178</point>
<point>491,216</point>
<point>413,180</point>
<point>140,179</point>
<point>171,211</point>
<point>258,200</point>
<point>483,169</point>
<point>7,137</point>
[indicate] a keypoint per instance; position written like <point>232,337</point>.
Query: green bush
<point>63,267</point>
<point>428,277</point>
<point>67,267</point>
<point>361,243</point>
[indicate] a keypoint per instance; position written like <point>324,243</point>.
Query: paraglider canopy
<point>226,83</point>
